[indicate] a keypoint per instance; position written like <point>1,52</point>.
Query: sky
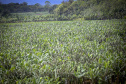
<point>31,2</point>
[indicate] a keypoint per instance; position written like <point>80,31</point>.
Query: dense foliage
<point>71,9</point>
<point>91,9</point>
<point>82,51</point>
<point>16,7</point>
<point>24,7</point>
<point>28,17</point>
<point>71,52</point>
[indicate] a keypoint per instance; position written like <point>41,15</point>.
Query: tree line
<point>6,9</point>
<point>73,9</point>
<point>91,9</point>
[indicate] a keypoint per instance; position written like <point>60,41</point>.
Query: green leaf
<point>12,68</point>
<point>44,67</point>
<point>100,61</point>
<point>106,64</point>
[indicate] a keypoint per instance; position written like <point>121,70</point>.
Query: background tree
<point>6,14</point>
<point>24,3</point>
<point>71,1</point>
<point>36,7</point>
<point>52,8</point>
<point>93,9</point>
<point>47,5</point>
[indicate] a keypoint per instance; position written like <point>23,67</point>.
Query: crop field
<point>27,17</point>
<point>62,52</point>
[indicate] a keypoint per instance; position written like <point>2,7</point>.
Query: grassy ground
<point>32,13</point>
<point>63,52</point>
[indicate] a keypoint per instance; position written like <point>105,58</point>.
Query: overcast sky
<point>31,2</point>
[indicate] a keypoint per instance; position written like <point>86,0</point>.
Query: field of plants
<point>27,17</point>
<point>63,52</point>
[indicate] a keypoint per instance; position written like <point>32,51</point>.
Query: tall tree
<point>71,1</point>
<point>25,3</point>
<point>47,5</point>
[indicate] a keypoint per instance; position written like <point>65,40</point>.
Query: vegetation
<point>16,12</point>
<point>71,10</point>
<point>83,42</point>
<point>64,52</point>
<point>24,7</point>
<point>92,9</point>
<point>28,17</point>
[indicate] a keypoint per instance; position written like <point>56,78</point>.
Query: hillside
<point>91,9</point>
